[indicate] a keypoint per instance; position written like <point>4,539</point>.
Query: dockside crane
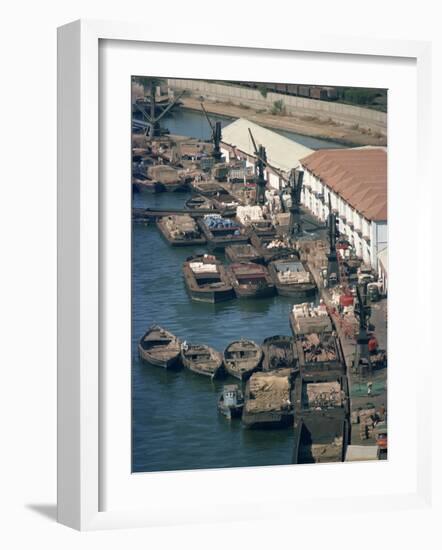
<point>295,184</point>
<point>153,128</point>
<point>362,362</point>
<point>333,271</point>
<point>261,163</point>
<point>216,137</point>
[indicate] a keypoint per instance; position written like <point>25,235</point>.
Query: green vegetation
<point>263,91</point>
<point>278,107</point>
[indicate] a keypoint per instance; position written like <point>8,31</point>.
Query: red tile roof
<point>359,176</point>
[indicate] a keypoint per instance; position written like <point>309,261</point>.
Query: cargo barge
<point>280,352</point>
<point>291,278</point>
<point>206,279</point>
<point>221,232</point>
<point>306,318</point>
<point>181,230</point>
<point>246,253</point>
<point>250,280</point>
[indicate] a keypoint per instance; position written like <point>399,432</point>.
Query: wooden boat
<point>207,188</point>
<point>141,184</point>
<point>237,253</point>
<point>199,202</point>
<point>250,280</point>
<point>267,400</point>
<point>181,230</point>
<point>279,353</point>
<point>225,202</point>
<point>221,232</point>
<point>321,438</point>
<point>168,177</point>
<point>206,279</point>
<point>231,401</point>
<point>291,278</point>
<point>306,318</point>
<point>242,358</point>
<point>271,247</point>
<point>202,359</point>
<point>160,347</point>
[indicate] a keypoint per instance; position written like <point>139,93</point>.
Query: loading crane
<point>333,268</point>
<point>295,184</point>
<point>261,163</point>
<point>362,361</point>
<point>216,137</point>
<point>152,121</point>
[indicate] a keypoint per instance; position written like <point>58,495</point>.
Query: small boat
<point>242,358</point>
<point>237,253</point>
<point>160,347</point>
<point>291,278</point>
<point>180,230</point>
<point>202,359</point>
<point>231,401</point>
<point>271,247</point>
<point>250,280</point>
<point>221,232</point>
<point>206,279</point>
<point>279,353</point>
<point>199,202</point>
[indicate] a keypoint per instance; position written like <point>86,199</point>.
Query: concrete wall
<point>344,114</point>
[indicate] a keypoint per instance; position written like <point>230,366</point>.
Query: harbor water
<point>175,422</point>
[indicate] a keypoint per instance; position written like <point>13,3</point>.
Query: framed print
<point>233,225</point>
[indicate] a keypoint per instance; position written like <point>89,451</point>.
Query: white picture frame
<point>80,362</point>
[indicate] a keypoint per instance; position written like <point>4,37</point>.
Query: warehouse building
<point>356,180</point>
<point>283,154</point>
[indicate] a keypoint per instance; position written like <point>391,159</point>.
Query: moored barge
<point>272,247</point>
<point>250,280</point>
<point>160,347</point>
<point>237,253</point>
<point>181,230</point>
<point>242,358</point>
<point>291,278</point>
<point>267,402</point>
<point>305,318</point>
<point>279,353</point>
<point>221,232</point>
<point>206,279</point>
<point>202,359</point>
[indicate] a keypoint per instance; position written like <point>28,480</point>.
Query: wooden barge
<point>320,439</point>
<point>160,347</point>
<point>206,188</point>
<point>206,279</point>
<point>242,358</point>
<point>267,401</point>
<point>221,232</point>
<point>238,253</point>
<point>202,359</point>
<point>169,178</point>
<point>272,247</point>
<point>280,352</point>
<point>305,319</point>
<point>291,277</point>
<point>320,354</point>
<point>250,280</point>
<point>181,230</point>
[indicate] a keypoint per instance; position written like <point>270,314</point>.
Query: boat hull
<point>230,412</point>
<point>179,242</point>
<point>298,290</point>
<point>172,363</point>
